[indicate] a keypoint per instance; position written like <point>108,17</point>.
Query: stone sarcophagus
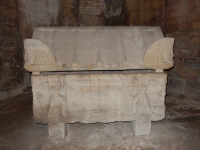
<point>98,74</point>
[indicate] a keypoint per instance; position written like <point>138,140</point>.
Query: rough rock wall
<point>179,19</point>
<point>34,13</point>
<point>145,13</point>
<point>183,23</point>
<point>17,21</point>
<point>114,12</point>
<point>11,62</point>
<point>91,12</point>
<point>69,12</point>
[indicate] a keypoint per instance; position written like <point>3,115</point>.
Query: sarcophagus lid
<point>98,48</point>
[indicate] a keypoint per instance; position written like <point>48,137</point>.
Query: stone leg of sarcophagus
<point>141,126</point>
<point>57,130</point>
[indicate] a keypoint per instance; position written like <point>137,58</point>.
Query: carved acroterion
<point>160,54</point>
<point>38,56</point>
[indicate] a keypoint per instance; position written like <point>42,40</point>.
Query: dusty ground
<point>179,130</point>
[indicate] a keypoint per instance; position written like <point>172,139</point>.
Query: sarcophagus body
<point>98,74</point>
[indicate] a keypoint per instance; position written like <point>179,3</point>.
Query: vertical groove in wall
<point>60,13</point>
<point>146,16</point>
<point>20,51</point>
<point>124,9</point>
<point>48,12</point>
<point>165,4</point>
<point>77,11</point>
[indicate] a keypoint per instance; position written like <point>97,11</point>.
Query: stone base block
<point>57,130</point>
<point>141,127</point>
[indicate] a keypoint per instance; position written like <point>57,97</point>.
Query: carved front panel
<point>98,97</point>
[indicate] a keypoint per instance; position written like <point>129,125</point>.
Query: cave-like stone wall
<point>17,21</point>
<point>183,23</point>
<point>145,13</point>
<point>11,62</point>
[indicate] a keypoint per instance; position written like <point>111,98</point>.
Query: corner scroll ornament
<point>38,56</point>
<point>160,54</point>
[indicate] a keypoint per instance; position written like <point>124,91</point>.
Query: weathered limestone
<point>98,74</point>
<point>57,130</point>
<point>98,97</point>
<point>98,48</point>
<point>141,126</point>
<point>160,54</point>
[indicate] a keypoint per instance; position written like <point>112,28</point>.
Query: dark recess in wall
<point>75,9</point>
<point>114,12</point>
<point>11,52</point>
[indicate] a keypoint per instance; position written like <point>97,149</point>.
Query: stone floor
<point>179,130</point>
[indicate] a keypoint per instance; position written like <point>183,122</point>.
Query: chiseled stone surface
<point>99,97</point>
<point>142,126</point>
<point>98,48</point>
<point>57,130</point>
